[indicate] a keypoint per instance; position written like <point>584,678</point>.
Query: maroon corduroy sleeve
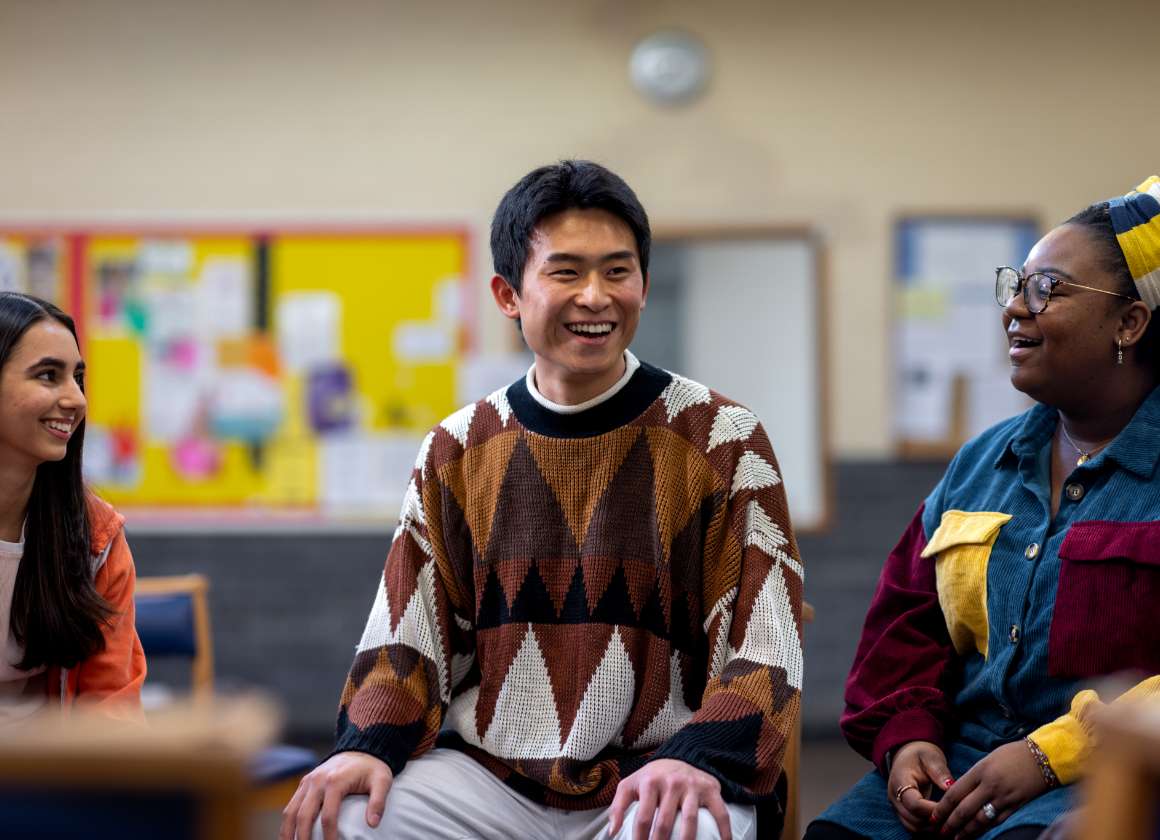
<point>895,692</point>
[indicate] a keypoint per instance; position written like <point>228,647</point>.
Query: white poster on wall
<point>950,348</point>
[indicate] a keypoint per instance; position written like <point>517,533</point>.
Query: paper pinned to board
<point>225,305</point>
<point>925,404</point>
<point>922,301</point>
<point>166,256</point>
<point>423,341</point>
<point>973,339</point>
<point>365,474</point>
<point>167,309</point>
<point>963,254</point>
<point>309,329</point>
<point>948,328</point>
<point>174,401</point>
<point>448,296</point>
<point>925,381</point>
<point>11,270</point>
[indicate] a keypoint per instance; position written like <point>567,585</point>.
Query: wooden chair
<point>173,621</point>
<point>1123,786</point>
<point>767,816</point>
<point>793,760</point>
<point>183,777</point>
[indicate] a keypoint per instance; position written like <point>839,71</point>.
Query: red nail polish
<point>949,781</point>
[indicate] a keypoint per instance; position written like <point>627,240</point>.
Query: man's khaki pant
<point>445,795</point>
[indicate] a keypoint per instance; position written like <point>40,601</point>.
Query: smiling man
<point>589,622</point>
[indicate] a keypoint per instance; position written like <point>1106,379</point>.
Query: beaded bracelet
<point>1044,765</point>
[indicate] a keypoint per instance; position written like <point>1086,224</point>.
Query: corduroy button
<point>1032,551</point>
<point>1013,634</point>
<point>1074,492</point>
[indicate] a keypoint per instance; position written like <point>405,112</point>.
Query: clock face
<point>670,67</point>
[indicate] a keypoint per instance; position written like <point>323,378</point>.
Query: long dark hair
<point>56,613</point>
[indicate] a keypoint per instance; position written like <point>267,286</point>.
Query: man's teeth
<point>591,329</point>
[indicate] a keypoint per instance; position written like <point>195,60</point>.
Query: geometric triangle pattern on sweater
<point>769,639</point>
<point>672,716</point>
<point>525,724</point>
<point>605,704</point>
<point>624,522</point>
<point>528,522</point>
<point>571,675</point>
<point>732,423</point>
<point>753,473</point>
<point>682,393</point>
<point>627,599</point>
<point>577,604</point>
<point>459,423</point>
<point>415,628</point>
<point>578,491</point>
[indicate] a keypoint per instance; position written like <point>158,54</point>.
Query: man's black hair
<point>543,192</point>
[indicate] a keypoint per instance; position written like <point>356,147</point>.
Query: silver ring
<point>989,811</point>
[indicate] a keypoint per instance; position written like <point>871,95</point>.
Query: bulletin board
<point>951,371</point>
<point>262,370</point>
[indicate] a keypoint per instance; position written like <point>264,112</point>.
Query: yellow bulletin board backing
<point>285,371</point>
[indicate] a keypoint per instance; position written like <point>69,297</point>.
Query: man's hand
<point>1007,778</point>
<point>324,787</point>
<point>664,787</point>
<point>918,767</point>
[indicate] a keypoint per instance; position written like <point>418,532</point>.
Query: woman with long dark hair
<point>66,574</point>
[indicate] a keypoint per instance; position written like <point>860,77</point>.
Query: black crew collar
<point>621,408</point>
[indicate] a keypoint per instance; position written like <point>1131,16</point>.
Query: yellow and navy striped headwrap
<point>1136,219</point>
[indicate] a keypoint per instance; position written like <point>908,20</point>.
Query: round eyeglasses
<point>1037,288</point>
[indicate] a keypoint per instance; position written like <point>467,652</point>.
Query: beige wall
<point>837,113</point>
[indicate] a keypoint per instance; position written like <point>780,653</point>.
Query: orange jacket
<point>109,681</point>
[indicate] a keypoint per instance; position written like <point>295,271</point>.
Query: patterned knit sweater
<point>569,596</point>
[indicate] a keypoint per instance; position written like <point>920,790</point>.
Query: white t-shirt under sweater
<point>22,693</point>
<point>631,363</point>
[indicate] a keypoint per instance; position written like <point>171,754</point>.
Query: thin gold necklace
<point>1084,455</point>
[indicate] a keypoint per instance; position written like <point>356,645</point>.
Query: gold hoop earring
<point>1119,351</point>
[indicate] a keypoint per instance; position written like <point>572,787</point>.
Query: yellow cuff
<point>1066,741</point>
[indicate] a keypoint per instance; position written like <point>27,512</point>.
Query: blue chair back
<point>165,624</point>
<point>173,621</point>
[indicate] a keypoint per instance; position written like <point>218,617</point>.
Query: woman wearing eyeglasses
<point>1033,568</point>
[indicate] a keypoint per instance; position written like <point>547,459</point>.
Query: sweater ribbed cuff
<point>731,791</point>
<point>393,745</point>
<point>723,749</point>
